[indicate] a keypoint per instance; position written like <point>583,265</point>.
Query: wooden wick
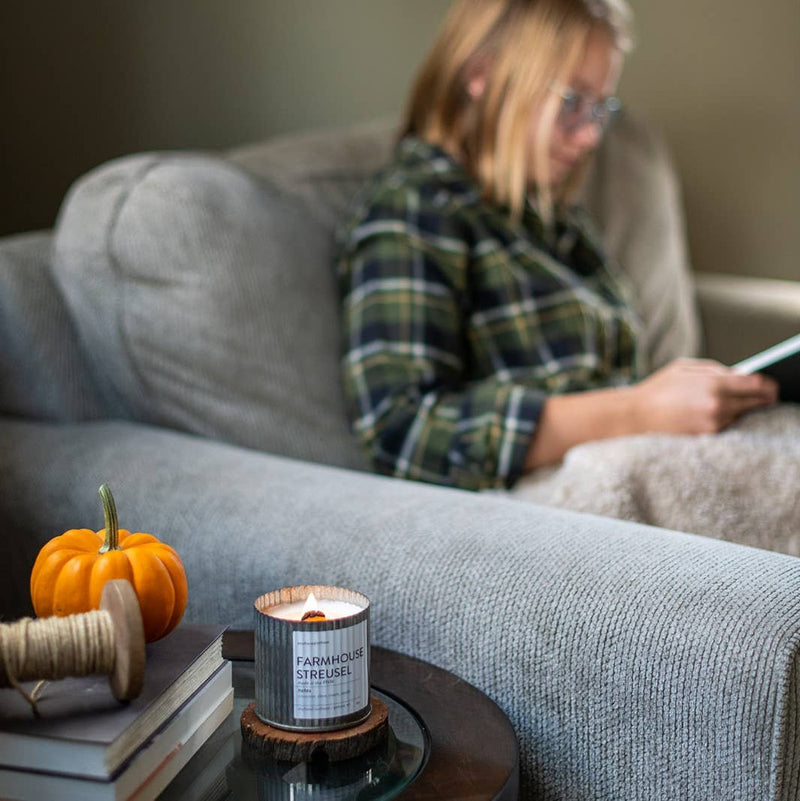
<point>107,642</point>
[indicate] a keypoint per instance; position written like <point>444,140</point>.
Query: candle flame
<point>311,610</point>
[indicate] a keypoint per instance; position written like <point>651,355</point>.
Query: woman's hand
<point>698,396</point>
<point>688,396</point>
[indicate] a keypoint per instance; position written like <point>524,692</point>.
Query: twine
<point>55,647</point>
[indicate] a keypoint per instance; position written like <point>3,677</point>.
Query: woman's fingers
<point>744,393</point>
<point>756,386</point>
<point>733,381</point>
<point>696,396</point>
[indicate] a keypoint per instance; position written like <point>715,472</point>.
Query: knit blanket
<point>742,484</point>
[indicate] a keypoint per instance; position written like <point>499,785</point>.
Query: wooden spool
<point>282,745</point>
<point>126,678</point>
<point>120,601</point>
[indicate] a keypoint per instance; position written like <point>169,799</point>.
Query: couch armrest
<point>633,662</point>
<point>742,315</point>
<point>42,371</point>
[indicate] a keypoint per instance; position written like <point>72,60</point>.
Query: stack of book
<point>86,745</point>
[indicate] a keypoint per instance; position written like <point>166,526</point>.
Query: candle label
<point>330,672</point>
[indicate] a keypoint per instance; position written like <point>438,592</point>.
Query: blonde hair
<point>523,47</point>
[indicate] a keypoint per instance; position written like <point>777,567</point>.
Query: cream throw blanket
<point>741,485</point>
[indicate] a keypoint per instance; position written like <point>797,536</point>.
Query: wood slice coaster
<point>282,745</point>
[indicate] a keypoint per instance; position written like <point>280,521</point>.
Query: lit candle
<point>314,610</point>
<point>312,658</point>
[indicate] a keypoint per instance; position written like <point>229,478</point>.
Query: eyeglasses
<point>578,109</point>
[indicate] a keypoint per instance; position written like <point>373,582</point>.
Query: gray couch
<point>176,336</point>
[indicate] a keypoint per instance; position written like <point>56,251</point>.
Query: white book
<point>205,775</point>
<point>781,362</point>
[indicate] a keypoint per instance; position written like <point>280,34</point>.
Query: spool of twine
<point>108,642</point>
<point>55,647</point>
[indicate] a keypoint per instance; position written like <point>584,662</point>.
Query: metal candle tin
<point>312,675</point>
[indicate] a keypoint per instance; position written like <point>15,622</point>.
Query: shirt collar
<point>429,158</point>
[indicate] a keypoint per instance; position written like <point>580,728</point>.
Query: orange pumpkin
<point>70,571</point>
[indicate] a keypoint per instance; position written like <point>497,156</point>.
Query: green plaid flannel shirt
<point>458,323</point>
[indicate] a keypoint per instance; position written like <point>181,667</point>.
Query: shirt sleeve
<point>404,281</point>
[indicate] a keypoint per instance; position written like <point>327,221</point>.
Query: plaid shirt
<point>458,323</point>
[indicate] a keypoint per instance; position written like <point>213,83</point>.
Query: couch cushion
<point>325,168</point>
<point>205,299</point>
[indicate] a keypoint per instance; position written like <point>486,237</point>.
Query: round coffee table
<point>448,740</point>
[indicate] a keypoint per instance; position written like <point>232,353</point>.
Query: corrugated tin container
<point>312,658</point>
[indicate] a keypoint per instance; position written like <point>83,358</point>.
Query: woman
<point>486,332</point>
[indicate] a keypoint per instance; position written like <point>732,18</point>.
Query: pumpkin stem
<point>111,542</point>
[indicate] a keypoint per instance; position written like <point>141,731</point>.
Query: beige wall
<point>87,80</point>
<point>82,81</point>
<point>722,80</point>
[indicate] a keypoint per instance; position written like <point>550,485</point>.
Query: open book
<point>781,362</point>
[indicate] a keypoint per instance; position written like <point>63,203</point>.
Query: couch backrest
<point>43,372</point>
<point>205,298</point>
<point>632,192</point>
<point>323,168</point>
<point>202,285</point>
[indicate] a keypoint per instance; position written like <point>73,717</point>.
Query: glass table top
<point>224,769</point>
